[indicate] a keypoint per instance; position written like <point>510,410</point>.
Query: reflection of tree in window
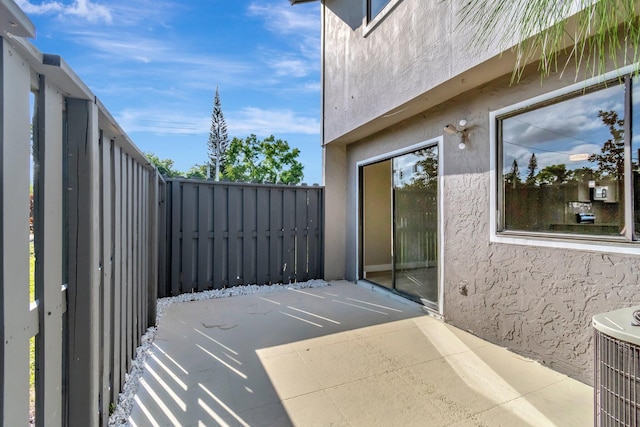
<point>531,170</point>
<point>554,174</point>
<point>611,160</point>
<point>425,175</point>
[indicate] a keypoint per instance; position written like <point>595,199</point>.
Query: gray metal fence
<point>95,236</point>
<point>222,234</point>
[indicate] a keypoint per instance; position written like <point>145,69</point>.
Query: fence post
<point>84,269</point>
<point>48,194</point>
<point>153,242</point>
<point>16,329</point>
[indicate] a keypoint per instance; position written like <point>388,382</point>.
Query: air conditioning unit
<point>617,368</point>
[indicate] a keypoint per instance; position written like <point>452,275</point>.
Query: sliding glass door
<point>400,223</point>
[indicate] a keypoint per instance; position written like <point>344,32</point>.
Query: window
<point>569,165</point>
<point>374,7</point>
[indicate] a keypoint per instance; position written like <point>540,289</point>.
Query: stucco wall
<point>535,301</point>
<point>382,72</point>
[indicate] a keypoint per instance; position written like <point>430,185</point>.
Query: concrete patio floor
<point>341,355</point>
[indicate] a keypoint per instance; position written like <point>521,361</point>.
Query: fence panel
<point>226,234</point>
<point>18,325</point>
<point>96,221</point>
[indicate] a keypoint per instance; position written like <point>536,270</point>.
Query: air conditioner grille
<point>617,382</point>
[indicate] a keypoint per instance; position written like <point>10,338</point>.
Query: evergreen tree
<point>531,169</point>
<point>218,138</point>
<point>513,177</point>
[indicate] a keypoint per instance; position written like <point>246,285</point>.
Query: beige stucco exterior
<point>535,300</point>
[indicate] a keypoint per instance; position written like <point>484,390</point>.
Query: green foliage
<point>164,166</point>
<point>426,176</point>
<point>269,160</point>
<point>554,174</point>
<point>611,158</point>
<point>197,172</point>
<point>543,31</point>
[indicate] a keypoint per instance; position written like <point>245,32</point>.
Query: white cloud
<point>283,19</point>
<point>241,123</point>
<point>270,122</point>
<point>84,9</point>
<point>162,122</point>
<point>292,67</point>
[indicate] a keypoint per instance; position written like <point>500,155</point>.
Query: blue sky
<point>155,65</point>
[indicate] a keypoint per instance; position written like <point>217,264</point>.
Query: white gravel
<point>120,416</point>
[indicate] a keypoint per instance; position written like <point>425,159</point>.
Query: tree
<point>531,169</point>
<point>164,166</point>
<point>554,174</point>
<point>269,160</point>
<point>611,160</point>
<point>542,30</point>
<point>513,177</point>
<point>197,172</point>
<point>218,138</point>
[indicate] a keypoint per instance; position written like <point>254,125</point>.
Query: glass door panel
<point>377,224</point>
<point>415,224</point>
<point>400,224</point>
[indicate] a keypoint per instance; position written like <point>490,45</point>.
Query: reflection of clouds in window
<point>575,118</point>
<point>561,133</point>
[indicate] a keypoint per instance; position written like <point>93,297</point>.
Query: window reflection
<point>563,165</point>
<point>375,6</point>
<point>635,154</point>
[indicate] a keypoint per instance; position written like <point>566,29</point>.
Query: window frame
<point>618,244</point>
<point>371,22</point>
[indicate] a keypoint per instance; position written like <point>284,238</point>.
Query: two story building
<point>511,209</point>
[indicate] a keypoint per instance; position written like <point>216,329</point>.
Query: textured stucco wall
<point>370,73</point>
<point>535,301</point>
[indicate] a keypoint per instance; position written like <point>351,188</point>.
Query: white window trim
<point>552,241</point>
<point>369,26</point>
<point>439,142</point>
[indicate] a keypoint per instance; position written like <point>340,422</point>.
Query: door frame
<point>437,141</point>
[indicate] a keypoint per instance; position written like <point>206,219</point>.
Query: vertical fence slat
<point>135,262</point>
<point>313,237</point>
<point>301,234</point>
<point>48,186</point>
<point>219,240</point>
<point>128,263</point>
<point>289,238</point>
<point>234,213</point>
<point>262,238</point>
<point>203,235</point>
<point>249,214</point>
<point>162,234</point>
<point>106,281</point>
<point>83,263</point>
<point>189,209</point>
<point>153,248</point>
<point>14,226</point>
<point>176,239</point>
<point>122,286</point>
<point>116,273</point>
<point>276,236</point>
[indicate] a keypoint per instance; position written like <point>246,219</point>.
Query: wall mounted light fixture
<point>461,130</point>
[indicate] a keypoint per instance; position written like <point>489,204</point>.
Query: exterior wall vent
<point>617,368</point>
